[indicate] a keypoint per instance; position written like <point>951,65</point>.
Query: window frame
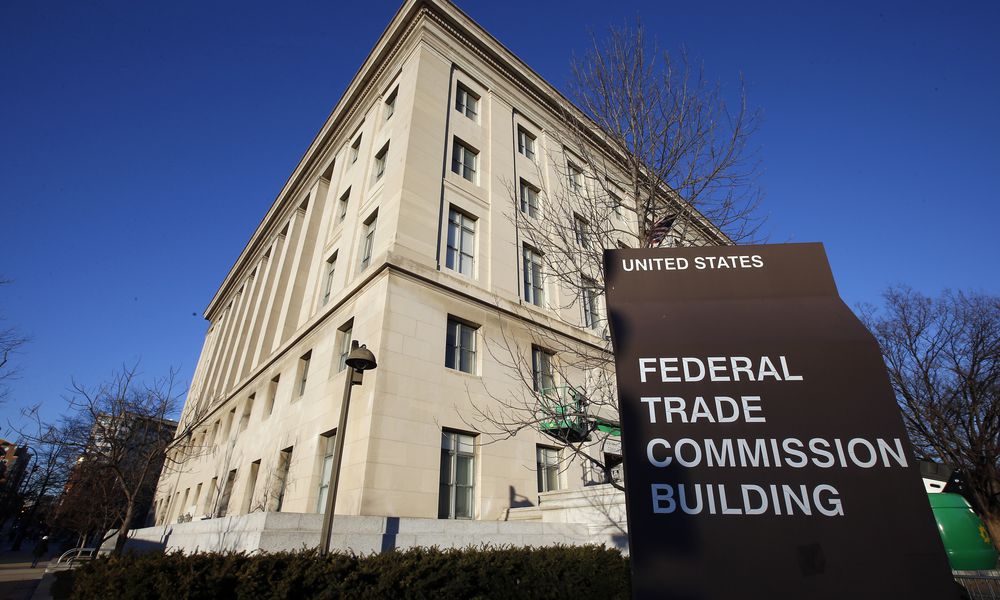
<point>542,369</point>
<point>285,469</point>
<point>574,176</point>
<point>460,163</point>
<point>328,443</point>
<point>331,271</point>
<point>390,103</point>
<point>547,468</point>
<point>526,143</point>
<point>454,254</point>
<point>345,335</point>
<point>368,240</point>
<point>588,302</point>
<point>381,159</point>
<point>581,231</point>
<point>462,102</point>
<point>344,202</point>
<point>533,210</point>
<point>452,444</point>
<point>356,148</point>
<point>533,278</point>
<point>456,354</point>
<point>304,362</point>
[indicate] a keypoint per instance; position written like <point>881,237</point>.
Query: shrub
<point>591,572</point>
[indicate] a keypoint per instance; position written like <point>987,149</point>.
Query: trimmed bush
<point>591,572</point>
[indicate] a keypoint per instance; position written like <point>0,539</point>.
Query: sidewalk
<point>17,579</point>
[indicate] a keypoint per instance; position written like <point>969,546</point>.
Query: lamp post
<point>358,361</point>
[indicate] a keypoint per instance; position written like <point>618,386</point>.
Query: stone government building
<point>396,229</point>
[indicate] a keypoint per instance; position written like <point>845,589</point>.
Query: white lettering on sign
<point>746,499</point>
<point>717,368</point>
<point>701,263</point>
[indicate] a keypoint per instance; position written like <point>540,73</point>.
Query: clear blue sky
<point>140,144</point>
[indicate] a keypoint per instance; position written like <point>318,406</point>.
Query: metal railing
<point>981,585</point>
<point>76,555</point>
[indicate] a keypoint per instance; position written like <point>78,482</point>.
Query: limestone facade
<point>424,142</point>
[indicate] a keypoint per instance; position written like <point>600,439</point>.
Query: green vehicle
<point>965,537</point>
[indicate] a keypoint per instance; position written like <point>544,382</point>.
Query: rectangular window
<point>463,160</point>
<point>368,240</point>
<point>534,288</point>
<point>581,231</point>
<point>227,493</point>
<point>272,394</point>
<point>461,243</point>
<point>327,444</point>
<point>380,159</point>
<point>575,177</point>
<point>248,503</point>
<point>194,501</point>
<point>215,433</point>
<point>390,104</point>
<point>331,269</point>
<point>618,206</point>
<point>543,376</point>
<point>460,346</point>
<point>529,199</point>
<point>457,489</point>
<point>525,143</point>
<point>228,428</point>
<point>344,200</point>
<point>547,460</point>
<point>466,102</point>
<point>281,477</point>
<point>304,371</point>
<point>356,149</point>
<point>247,411</point>
<point>588,300</point>
<point>344,335</point>
<point>213,489</point>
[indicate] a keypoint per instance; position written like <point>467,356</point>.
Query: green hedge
<point>590,572</point>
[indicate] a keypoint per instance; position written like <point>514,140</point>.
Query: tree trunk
<point>123,530</point>
<point>993,526</point>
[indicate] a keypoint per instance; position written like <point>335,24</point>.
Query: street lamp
<point>358,361</point>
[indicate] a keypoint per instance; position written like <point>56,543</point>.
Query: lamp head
<point>361,358</point>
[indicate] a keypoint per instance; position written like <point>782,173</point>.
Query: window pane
<point>463,470</point>
<point>463,503</point>
<point>552,478</point>
<point>450,345</point>
<point>468,336</point>
<point>465,443</point>
<point>444,489</point>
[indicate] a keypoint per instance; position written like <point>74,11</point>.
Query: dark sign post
<point>765,456</point>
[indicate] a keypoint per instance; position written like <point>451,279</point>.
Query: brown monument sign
<point>765,456</point>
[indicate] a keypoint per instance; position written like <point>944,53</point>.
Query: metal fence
<point>981,585</point>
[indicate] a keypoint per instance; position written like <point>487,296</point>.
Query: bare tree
<point>943,358</point>
<point>43,481</point>
<point>654,156</point>
<point>91,503</point>
<point>11,342</point>
<point>119,431</point>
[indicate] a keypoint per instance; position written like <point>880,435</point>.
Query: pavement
<point>17,579</point>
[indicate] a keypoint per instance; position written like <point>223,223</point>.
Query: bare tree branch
<point>943,358</point>
<point>657,158</point>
